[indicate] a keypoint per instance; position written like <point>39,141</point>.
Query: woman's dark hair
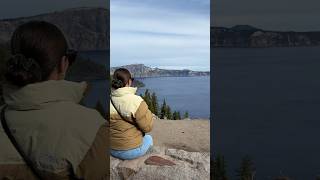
<point>120,78</point>
<point>36,48</point>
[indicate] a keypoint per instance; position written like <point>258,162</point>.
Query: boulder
<point>163,164</point>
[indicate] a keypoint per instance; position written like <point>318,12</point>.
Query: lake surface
<point>100,57</point>
<point>267,106</point>
<point>190,94</point>
<point>98,88</point>
<point>97,93</point>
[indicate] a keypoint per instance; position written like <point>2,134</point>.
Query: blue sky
<point>171,34</point>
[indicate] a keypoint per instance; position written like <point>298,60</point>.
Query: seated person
<point>130,119</point>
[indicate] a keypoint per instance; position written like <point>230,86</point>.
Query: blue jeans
<point>134,153</point>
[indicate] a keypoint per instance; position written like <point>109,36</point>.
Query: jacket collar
<point>33,96</point>
<point>123,91</point>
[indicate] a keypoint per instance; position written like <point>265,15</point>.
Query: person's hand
<point>155,117</point>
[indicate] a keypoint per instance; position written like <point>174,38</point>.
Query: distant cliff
<point>85,28</point>
<point>140,70</point>
<point>244,36</point>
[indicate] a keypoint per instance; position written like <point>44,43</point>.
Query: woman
<point>56,137</point>
<point>130,119</point>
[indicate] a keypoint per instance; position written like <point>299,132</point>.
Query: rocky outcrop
<point>140,70</point>
<point>163,164</point>
<point>86,28</point>
<point>181,151</point>
<point>243,36</point>
<point>189,135</point>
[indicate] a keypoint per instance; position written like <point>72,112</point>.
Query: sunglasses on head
<point>71,54</point>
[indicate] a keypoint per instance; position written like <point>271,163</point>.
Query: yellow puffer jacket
<point>127,133</point>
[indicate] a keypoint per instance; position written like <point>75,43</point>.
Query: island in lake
<point>245,36</point>
<point>142,71</point>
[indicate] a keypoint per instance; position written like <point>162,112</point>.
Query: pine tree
<point>219,168</point>
<point>175,115</point>
<point>151,107</point>
<point>147,98</point>
<point>186,115</point>
<point>178,115</point>
<point>154,100</point>
<point>246,170</point>
<point>168,112</point>
<point>163,111</point>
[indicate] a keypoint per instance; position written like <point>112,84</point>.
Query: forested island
<point>246,36</point>
<point>143,71</point>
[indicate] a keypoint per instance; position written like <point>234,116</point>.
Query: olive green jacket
<point>62,138</point>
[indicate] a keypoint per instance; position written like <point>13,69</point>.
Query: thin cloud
<point>152,33</point>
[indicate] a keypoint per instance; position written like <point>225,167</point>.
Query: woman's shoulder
<point>70,113</point>
<point>128,104</point>
<point>138,98</point>
<point>87,112</point>
<point>132,99</point>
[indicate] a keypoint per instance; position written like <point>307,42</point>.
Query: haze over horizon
<point>164,34</point>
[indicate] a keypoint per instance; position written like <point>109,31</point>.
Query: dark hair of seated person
<point>37,49</point>
<point>121,78</point>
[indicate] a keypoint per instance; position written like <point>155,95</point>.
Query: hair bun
<point>22,71</point>
<point>116,83</point>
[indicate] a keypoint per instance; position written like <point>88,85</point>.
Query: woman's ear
<point>64,65</point>
<point>129,83</point>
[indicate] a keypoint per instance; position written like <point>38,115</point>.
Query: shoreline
<point>170,77</point>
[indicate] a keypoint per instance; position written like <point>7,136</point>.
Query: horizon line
<point>159,67</point>
<point>263,29</point>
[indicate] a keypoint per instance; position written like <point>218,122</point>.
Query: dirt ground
<point>189,135</point>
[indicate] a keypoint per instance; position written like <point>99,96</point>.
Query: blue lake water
<point>97,93</point>
<point>267,104</point>
<point>100,57</point>
<point>98,88</point>
<point>190,94</point>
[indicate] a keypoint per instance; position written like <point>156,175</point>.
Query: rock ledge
<point>163,164</point>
